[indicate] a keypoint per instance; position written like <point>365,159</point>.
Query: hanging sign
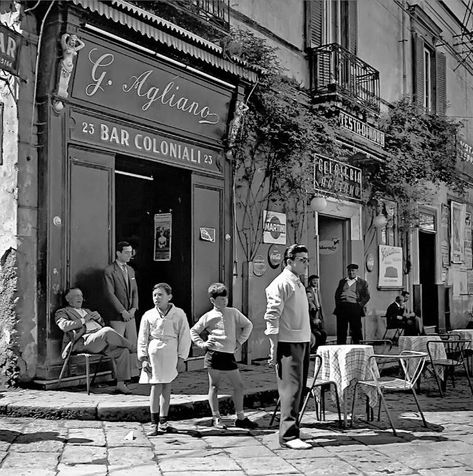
<point>10,44</point>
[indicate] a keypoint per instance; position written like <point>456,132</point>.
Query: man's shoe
<point>165,427</point>
<point>245,423</point>
<point>217,423</point>
<point>154,431</point>
<point>296,444</point>
<point>123,389</point>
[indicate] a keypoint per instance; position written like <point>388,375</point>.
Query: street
<point>43,447</point>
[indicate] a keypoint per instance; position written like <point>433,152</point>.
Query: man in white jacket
<point>288,329</point>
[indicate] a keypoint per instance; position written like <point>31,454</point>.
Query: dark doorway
<point>143,189</point>
<point>427,278</point>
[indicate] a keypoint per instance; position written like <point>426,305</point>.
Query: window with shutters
<point>429,64</point>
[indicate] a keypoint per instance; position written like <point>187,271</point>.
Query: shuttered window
<point>315,23</point>
<point>430,78</point>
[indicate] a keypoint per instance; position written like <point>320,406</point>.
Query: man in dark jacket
<point>121,292</point>
<point>351,297</point>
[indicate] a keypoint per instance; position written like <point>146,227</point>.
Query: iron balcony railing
<point>215,11</point>
<point>335,70</point>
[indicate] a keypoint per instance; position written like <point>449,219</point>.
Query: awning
<point>373,153</point>
<point>236,66</point>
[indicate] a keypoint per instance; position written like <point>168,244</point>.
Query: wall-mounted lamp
<point>318,203</point>
<point>380,221</point>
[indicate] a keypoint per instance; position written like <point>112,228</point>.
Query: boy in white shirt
<point>228,329</point>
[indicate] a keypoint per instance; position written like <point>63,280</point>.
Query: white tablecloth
<point>345,365</point>
<point>466,334</point>
<point>419,344</point>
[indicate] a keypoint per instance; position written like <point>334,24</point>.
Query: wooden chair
<point>411,363</point>
<point>88,359</point>
<point>312,383</point>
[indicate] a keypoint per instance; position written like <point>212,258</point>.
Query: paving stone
<point>253,451</point>
<point>181,462</point>
<point>82,470</point>
<point>86,436</point>
<point>129,457</point>
<point>31,461</point>
<point>204,473</point>
<point>150,469</point>
<point>74,455</point>
<point>116,437</point>
<point>323,467</point>
<point>266,465</point>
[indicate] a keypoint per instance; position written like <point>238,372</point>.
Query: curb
<point>129,412</point>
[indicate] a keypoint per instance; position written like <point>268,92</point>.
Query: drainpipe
<point>403,48</point>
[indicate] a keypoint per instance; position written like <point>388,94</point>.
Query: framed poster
<point>162,236</point>
<point>274,227</point>
<point>445,235</point>
<point>457,243</point>
<point>468,250</point>
<point>390,267</point>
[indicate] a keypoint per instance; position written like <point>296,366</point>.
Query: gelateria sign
<point>150,89</point>
<point>337,178</point>
<point>117,137</point>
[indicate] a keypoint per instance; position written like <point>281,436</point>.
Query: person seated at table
<point>398,317</point>
<point>319,336</point>
<point>85,330</point>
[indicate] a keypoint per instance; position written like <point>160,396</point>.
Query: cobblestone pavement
<point>43,447</point>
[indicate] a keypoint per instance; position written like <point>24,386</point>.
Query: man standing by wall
<point>351,297</point>
<point>288,329</point>
<point>121,292</point>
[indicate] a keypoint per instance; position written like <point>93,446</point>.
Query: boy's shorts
<point>219,360</point>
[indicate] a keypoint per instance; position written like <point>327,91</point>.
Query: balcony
<point>215,13</point>
<point>337,72</point>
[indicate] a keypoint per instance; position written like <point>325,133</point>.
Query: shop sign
<point>465,151</point>
<point>390,267</point>
<point>274,227</point>
<point>329,247</point>
<point>337,178</point>
<point>116,137</point>
<point>150,89</point>
<point>10,44</point>
<point>360,128</point>
<point>259,265</point>
<point>275,256</point>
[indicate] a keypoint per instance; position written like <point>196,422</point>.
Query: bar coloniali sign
<point>360,128</point>
<point>337,178</point>
<point>150,89</point>
<point>132,141</point>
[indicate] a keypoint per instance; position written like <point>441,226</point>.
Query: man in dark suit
<point>121,292</point>
<point>315,313</point>
<point>351,297</point>
<point>86,331</point>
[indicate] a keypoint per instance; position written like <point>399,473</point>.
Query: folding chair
<point>411,363</point>
<point>454,357</point>
<point>87,356</point>
<point>312,383</point>
<point>398,331</point>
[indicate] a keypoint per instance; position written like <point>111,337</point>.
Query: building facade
<point>116,128</point>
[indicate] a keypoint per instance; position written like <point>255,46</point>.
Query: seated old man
<point>91,335</point>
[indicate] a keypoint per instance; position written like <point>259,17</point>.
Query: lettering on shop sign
<point>360,128</point>
<point>150,89</point>
<point>337,178</point>
<point>465,152</point>
<point>133,141</point>
<point>10,43</point>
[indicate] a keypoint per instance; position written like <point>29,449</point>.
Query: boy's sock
<point>155,423</point>
<point>217,421</point>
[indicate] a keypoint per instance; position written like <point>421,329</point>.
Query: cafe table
<point>419,344</point>
<point>345,365</point>
<point>466,334</point>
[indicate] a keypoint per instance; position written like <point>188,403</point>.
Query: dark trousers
<point>292,368</point>
<point>349,313</point>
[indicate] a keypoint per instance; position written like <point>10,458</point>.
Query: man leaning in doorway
<point>351,297</point>
<point>288,329</point>
<point>121,292</point>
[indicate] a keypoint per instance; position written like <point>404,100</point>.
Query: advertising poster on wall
<point>274,227</point>
<point>468,251</point>
<point>390,267</point>
<point>445,235</point>
<point>162,236</point>
<point>457,244</point>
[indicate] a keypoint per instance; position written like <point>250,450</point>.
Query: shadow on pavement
<point>11,436</point>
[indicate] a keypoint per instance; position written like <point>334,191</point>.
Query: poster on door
<point>390,267</point>
<point>162,236</point>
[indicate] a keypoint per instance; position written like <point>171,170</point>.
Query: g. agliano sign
<point>337,178</point>
<point>360,128</point>
<point>10,44</point>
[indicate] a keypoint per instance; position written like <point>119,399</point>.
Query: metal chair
<point>411,363</point>
<point>312,383</point>
<point>455,357</point>
<point>398,331</point>
<point>87,356</point>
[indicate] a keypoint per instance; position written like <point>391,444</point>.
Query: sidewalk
<point>189,398</point>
